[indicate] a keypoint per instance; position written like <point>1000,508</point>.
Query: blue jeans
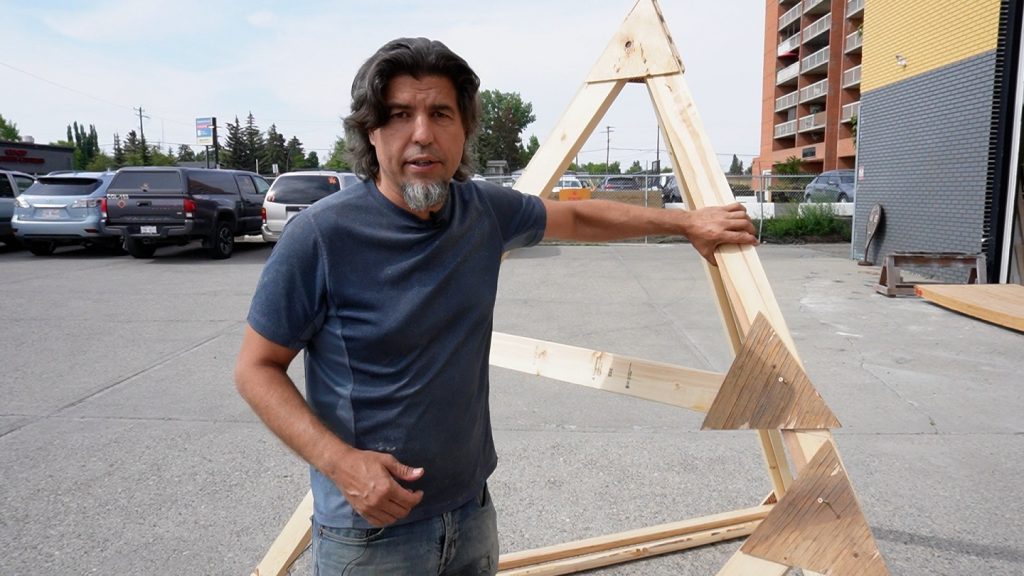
<point>461,542</point>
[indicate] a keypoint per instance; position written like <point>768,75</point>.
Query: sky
<point>291,64</point>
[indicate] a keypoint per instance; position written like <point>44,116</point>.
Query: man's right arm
<point>366,479</point>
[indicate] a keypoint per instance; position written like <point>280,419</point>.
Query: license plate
<point>50,213</point>
<point>147,230</point>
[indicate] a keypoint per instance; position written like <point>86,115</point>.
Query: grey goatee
<point>422,196</point>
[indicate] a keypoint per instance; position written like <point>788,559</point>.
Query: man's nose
<point>423,133</point>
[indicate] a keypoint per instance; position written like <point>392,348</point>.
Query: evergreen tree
<point>185,153</point>
<point>736,167</point>
<point>275,150</point>
<point>296,155</point>
<point>312,160</point>
<point>254,145</point>
<point>338,160</point>
<point>9,130</point>
<point>233,152</point>
<point>100,163</point>
<point>635,168</point>
<point>133,153</point>
<point>118,159</point>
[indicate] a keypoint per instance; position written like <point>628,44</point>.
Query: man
<point>389,287</point>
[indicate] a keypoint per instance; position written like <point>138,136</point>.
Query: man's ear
<point>372,136</point>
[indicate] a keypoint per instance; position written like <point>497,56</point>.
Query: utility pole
<point>142,137</point>
<point>607,148</point>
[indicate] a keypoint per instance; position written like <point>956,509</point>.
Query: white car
<point>293,192</point>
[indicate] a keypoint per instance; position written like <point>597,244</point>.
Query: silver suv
<point>831,186</point>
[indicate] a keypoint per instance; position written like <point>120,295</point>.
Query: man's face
<point>423,139</point>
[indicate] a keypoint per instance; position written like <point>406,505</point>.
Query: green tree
<point>296,155</point>
<point>86,144</point>
<point>134,155</point>
<point>504,117</point>
<point>274,151</point>
<point>255,145</point>
<point>185,153</point>
<point>602,168</point>
<point>635,168</point>
<point>526,154</point>
<point>312,160</point>
<point>100,163</point>
<point>9,130</point>
<point>338,160</point>
<point>790,166</point>
<point>736,168</point>
<point>119,158</point>
<point>233,153</point>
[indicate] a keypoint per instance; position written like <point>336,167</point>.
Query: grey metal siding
<point>924,153</point>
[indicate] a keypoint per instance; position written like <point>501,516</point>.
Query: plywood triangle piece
<point>818,525</point>
<point>766,388</point>
<point>641,48</point>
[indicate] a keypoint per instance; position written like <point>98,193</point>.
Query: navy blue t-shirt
<point>395,315</point>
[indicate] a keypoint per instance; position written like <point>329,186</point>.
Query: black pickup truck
<point>159,206</point>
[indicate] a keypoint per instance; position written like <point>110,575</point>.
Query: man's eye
<point>400,114</point>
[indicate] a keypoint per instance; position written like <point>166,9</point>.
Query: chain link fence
<point>659,190</point>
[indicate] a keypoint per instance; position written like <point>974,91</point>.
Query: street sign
<point>204,131</point>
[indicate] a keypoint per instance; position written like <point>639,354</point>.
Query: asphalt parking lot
<point>124,448</point>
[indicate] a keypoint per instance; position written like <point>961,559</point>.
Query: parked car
<point>831,186</point>
<point>293,192</point>
<point>670,191</point>
<point>62,209</point>
<point>620,183</point>
<point>157,206</point>
<point>12,184</point>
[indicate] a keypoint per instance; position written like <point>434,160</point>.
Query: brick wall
<point>924,152</point>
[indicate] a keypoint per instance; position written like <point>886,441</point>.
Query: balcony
<point>788,101</point>
<point>789,45</point>
<point>817,6</point>
<point>854,8</point>
<point>787,75</point>
<point>817,62</point>
<point>853,43</point>
<point>816,91</point>
<point>818,27</point>
<point>849,111</point>
<point>851,78</point>
<point>785,129</point>
<point>790,16</point>
<point>812,122</point>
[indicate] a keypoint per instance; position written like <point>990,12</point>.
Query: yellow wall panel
<point>928,34</point>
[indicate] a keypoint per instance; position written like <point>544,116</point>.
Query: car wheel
<point>221,243</point>
<point>842,198</point>
<point>138,249</point>
<point>42,248</point>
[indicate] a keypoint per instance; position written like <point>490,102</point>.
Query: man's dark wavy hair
<point>417,57</point>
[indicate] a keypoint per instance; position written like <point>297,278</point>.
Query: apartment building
<point>811,85</point>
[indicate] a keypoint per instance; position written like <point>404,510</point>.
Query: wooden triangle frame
<point>642,51</point>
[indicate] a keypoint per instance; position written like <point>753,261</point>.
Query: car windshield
<point>303,189</point>
<point>63,187</point>
<point>146,181</point>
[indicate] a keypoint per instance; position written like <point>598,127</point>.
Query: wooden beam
<point>613,548</point>
<point>290,543</point>
<point>575,126</point>
<point>657,381</point>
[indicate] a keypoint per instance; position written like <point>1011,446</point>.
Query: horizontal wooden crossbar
<point>665,383</point>
<point>634,544</point>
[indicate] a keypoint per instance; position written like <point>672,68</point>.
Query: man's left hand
<point>712,226</point>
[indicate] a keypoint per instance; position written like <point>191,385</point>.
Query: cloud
<point>262,19</point>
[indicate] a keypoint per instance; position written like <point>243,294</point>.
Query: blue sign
<point>204,131</point>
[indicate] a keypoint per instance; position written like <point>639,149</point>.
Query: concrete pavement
<point>124,448</point>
